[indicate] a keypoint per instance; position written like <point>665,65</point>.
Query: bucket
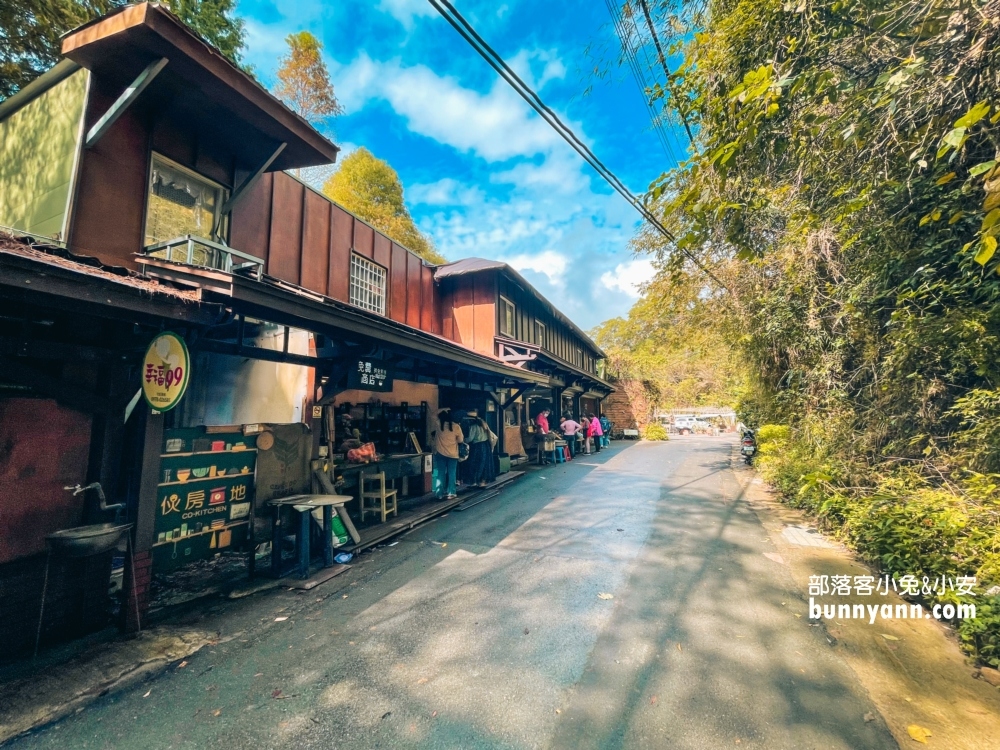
<point>339,532</point>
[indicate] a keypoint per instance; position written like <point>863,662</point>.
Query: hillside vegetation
<point>846,195</point>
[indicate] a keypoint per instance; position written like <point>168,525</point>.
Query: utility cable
<point>467,32</point>
<point>633,63</point>
<point>630,58</point>
<point>666,70</point>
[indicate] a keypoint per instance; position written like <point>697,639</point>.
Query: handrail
<point>224,252</point>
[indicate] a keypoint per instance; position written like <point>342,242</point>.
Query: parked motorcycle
<point>748,447</point>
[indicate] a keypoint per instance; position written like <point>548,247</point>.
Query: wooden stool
<point>380,495</point>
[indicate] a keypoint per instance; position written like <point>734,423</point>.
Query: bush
<point>655,431</point>
<point>899,519</point>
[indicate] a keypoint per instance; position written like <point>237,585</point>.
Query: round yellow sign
<point>166,370</point>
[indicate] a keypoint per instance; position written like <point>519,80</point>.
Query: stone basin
<point>87,540</point>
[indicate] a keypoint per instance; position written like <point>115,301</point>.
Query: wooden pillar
<point>138,571</point>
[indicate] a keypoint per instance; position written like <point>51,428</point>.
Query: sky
<point>483,175</point>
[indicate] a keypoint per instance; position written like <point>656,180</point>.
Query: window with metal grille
<point>367,285</point>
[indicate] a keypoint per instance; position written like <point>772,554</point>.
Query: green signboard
<point>205,495</point>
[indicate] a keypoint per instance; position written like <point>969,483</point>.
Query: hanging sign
<point>166,371</point>
<point>370,375</point>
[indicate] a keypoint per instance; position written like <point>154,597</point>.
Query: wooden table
<point>304,505</point>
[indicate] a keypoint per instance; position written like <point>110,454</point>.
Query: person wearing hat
<point>447,439</point>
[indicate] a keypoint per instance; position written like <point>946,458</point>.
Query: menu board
<point>205,494</point>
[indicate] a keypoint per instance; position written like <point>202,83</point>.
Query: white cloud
<point>496,125</point>
<point>548,262</point>
<point>627,277</point>
<point>526,64</point>
<point>445,192</point>
<point>406,11</point>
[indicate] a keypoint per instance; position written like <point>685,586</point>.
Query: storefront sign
<point>204,496</point>
<point>166,371</point>
<point>370,375</point>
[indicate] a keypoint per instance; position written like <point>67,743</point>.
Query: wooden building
<point>144,178</point>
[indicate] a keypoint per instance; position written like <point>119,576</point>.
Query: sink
<point>87,540</point>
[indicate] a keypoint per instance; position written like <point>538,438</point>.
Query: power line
<point>637,76</point>
<point>666,70</point>
<point>467,32</point>
<point>640,44</point>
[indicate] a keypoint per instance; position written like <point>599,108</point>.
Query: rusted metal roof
<point>117,46</point>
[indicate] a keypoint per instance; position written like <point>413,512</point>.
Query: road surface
<point>624,600</point>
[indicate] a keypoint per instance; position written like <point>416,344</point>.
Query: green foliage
<point>30,31</point>
<point>655,431</point>
<point>371,189</point>
<point>669,343</point>
<point>845,190</point>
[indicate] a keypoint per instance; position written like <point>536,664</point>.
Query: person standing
<point>542,420</point>
<point>447,438</point>
<point>596,432</point>
<point>606,429</point>
<point>480,471</point>
<point>585,431</point>
<point>569,429</point>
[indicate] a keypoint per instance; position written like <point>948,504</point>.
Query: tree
<point>303,80</point>
<point>30,32</point>
<point>29,36</point>
<point>370,188</point>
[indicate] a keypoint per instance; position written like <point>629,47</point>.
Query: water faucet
<point>76,489</point>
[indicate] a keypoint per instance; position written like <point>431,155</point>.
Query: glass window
<point>506,317</point>
<point>540,333</point>
<point>367,285</point>
<point>180,202</point>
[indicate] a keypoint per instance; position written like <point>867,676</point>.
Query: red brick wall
<point>132,619</point>
<point>618,409</point>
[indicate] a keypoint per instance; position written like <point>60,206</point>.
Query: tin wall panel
<point>383,250</point>
<point>364,239</point>
<point>250,222</point>
<point>430,316</point>
<point>341,240</point>
<point>284,260</point>
<point>447,312</point>
<point>462,306</point>
<point>413,290</point>
<point>316,243</point>
<point>110,203</point>
<point>484,315</point>
<point>397,284</point>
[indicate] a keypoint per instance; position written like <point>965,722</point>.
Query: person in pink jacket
<point>595,432</point>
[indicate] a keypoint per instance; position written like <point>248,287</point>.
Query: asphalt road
<point>622,600</point>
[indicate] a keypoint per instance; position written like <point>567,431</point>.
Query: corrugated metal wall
<point>306,239</point>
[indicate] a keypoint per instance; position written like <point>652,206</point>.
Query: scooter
<point>748,447</point>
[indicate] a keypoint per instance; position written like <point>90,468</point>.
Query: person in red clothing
<point>542,420</point>
<point>596,432</point>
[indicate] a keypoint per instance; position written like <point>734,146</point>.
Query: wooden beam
<point>250,181</point>
<point>123,102</point>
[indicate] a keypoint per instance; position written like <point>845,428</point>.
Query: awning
<point>286,304</point>
<point>198,86</point>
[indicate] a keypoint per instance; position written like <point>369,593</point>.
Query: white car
<point>688,424</point>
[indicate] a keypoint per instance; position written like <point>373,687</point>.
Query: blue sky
<point>484,176</point>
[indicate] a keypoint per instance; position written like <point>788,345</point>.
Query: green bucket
<point>339,532</point>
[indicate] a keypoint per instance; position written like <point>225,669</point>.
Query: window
<point>540,333</point>
<point>181,202</point>
<point>367,285</point>
<point>506,317</point>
